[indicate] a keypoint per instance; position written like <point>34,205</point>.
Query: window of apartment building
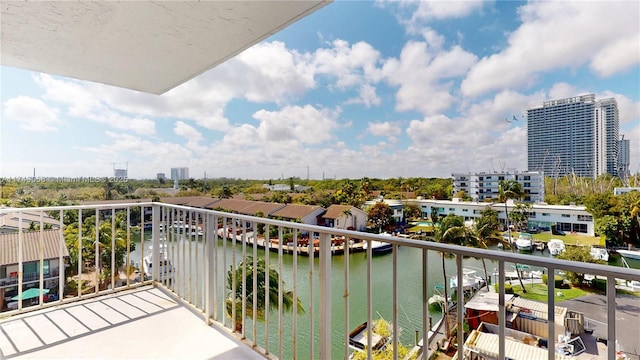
<point>566,215</point>
<point>585,218</point>
<point>546,214</point>
<point>481,178</point>
<point>30,268</point>
<point>527,177</point>
<point>3,272</point>
<point>581,228</point>
<point>500,177</point>
<point>452,209</point>
<point>532,214</point>
<point>463,184</point>
<point>465,210</point>
<point>527,184</point>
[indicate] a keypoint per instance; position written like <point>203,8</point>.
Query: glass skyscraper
<point>577,135</point>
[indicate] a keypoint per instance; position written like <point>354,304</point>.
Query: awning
<point>31,293</point>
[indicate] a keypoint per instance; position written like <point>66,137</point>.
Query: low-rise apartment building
<point>483,186</point>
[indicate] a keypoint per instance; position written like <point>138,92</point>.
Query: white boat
<point>555,246</point>
<point>166,268</point>
<point>379,247</point>
<point>630,254</point>
<point>524,242</point>
<point>599,253</point>
<point>469,280</point>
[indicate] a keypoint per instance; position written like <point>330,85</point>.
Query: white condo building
<point>577,135</point>
<point>483,186</point>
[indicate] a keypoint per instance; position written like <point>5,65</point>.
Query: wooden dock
<point>288,248</point>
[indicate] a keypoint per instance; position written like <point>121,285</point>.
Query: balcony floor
<point>141,323</point>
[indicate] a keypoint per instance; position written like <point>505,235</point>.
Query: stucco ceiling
<point>150,46</point>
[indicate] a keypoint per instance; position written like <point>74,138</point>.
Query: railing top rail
<point>598,269</point>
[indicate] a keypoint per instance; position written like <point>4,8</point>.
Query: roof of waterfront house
<point>296,211</point>
<point>267,208</point>
<point>181,200</point>
<point>487,301</point>
<point>535,309</point>
<point>51,243</point>
<point>336,211</point>
<point>486,344</point>
<point>115,202</point>
<point>129,43</point>
<point>11,220</point>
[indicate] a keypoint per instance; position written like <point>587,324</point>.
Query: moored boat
<point>630,254</point>
<point>599,253</point>
<point>358,337</point>
<point>555,246</point>
<point>524,242</point>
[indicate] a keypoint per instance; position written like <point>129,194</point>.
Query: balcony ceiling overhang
<point>150,46</point>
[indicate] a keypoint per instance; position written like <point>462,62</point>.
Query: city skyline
<point>356,89</point>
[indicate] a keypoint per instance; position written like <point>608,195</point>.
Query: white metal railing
<point>193,252</point>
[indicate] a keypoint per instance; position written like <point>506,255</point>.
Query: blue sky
<point>378,89</point>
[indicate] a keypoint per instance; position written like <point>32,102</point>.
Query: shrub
<point>600,284</point>
<point>508,289</point>
<point>545,278</point>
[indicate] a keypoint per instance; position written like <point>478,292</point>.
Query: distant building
<point>286,187</point>
<point>624,156</point>
<point>13,222</point>
<point>120,172</point>
<point>181,173</point>
<point>161,176</point>
<point>622,190</point>
<point>577,135</point>
<point>483,186</point>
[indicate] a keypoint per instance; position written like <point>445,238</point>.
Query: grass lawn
<point>538,292</point>
<point>568,239</point>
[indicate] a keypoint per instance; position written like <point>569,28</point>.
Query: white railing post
<point>611,317</point>
<point>325,296</point>
<point>209,261</point>
<point>155,235</point>
<point>502,313</point>
<point>551,309</point>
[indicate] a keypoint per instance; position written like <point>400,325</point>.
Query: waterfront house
<point>345,217</point>
<point>32,243</point>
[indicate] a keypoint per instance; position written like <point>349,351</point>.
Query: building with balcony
<point>577,135</point>
<point>483,186</point>
<point>571,218</point>
<point>25,248</point>
<point>624,158</point>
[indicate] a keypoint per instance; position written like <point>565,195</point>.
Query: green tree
<point>247,270</point>
<point>381,215</point>
<point>520,215</point>
<point>579,254</point>
<point>3,182</point>
<point>412,211</point>
<point>224,193</point>
<point>510,189</point>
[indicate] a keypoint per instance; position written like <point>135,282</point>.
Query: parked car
<point>534,230</point>
<point>556,231</point>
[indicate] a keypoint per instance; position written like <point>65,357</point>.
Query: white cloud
<point>297,124</point>
<point>351,65</point>
<point>384,129</point>
<point>187,131</point>
<point>565,34</point>
<point>84,104</point>
<point>33,114</point>
<point>367,96</point>
<point>423,76</point>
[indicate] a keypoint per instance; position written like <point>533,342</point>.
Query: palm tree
<point>275,284</point>
<point>486,232</point>
<point>3,182</point>
<point>225,193</point>
<point>510,189</point>
<point>347,214</point>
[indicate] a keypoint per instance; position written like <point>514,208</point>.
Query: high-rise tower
<point>576,135</point>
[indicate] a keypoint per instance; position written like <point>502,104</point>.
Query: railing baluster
<point>346,246</point>
<point>426,323</point>
<point>280,289</point>
<point>611,317</point>
<point>233,277</point>
<point>20,259</point>
<point>128,264</point>
<point>155,214</point>
<point>460,305</point>
<point>41,260</point>
<point>224,268</point>
<point>295,293</point>
<point>394,307</point>
<point>209,273</point>
<point>502,312</point>
<point>551,312</point>
<point>80,264</point>
<point>113,249</point>
<point>267,297</point>
<point>311,246</point>
<point>97,256</point>
<point>325,295</point>
<point>189,228</point>
<point>61,265</point>
<point>255,285</point>
<point>369,302</point>
<point>243,238</point>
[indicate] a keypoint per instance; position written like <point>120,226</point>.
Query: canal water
<point>409,287</point>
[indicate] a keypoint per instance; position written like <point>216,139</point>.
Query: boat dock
<point>303,248</point>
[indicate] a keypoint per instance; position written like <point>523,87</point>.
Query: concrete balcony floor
<point>143,323</point>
